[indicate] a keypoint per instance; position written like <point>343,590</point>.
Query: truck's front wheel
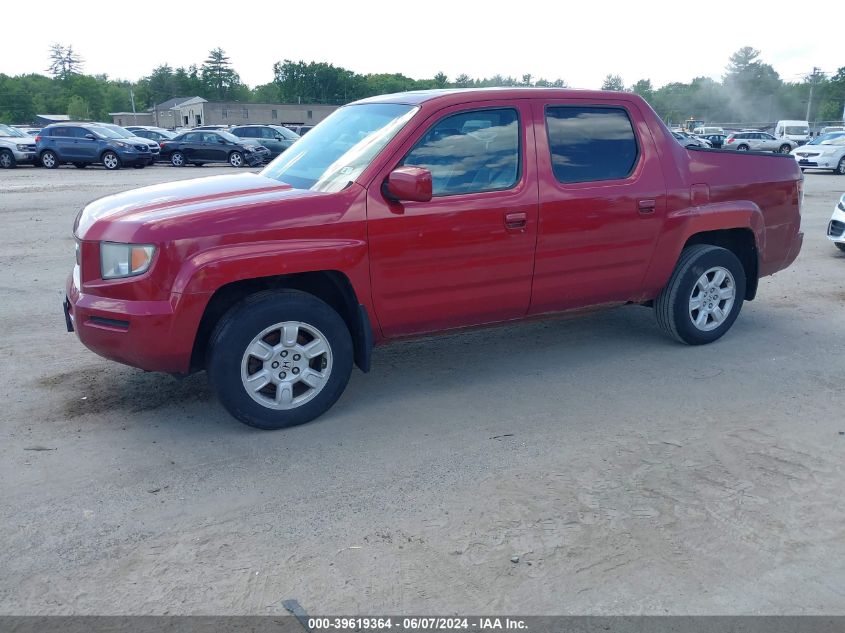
<point>280,358</point>
<point>703,296</point>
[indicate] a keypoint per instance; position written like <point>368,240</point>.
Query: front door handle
<point>646,206</point>
<point>516,221</point>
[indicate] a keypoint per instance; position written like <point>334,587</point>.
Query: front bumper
<point>836,226</point>
<point>817,161</point>
<point>144,334</point>
<point>25,157</point>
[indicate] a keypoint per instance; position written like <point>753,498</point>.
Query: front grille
<point>836,228</point>
<point>142,148</point>
<point>30,148</point>
<point>806,154</point>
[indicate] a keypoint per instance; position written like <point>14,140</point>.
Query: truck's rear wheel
<point>704,295</point>
<point>280,358</point>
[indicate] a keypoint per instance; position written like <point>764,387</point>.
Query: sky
<point>579,42</point>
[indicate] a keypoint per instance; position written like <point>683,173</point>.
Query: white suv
<point>15,147</point>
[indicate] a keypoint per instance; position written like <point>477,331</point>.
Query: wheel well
<point>331,286</point>
<point>742,244</point>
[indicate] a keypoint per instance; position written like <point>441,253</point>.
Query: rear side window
<point>590,143</point>
<point>470,152</point>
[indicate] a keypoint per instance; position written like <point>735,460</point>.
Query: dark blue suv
<point>84,144</point>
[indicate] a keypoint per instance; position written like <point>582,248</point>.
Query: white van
<point>798,131</point>
<point>703,131</point>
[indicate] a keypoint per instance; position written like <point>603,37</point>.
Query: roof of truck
<point>462,95</point>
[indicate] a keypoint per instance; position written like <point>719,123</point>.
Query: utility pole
<point>132,99</point>
<point>813,77</point>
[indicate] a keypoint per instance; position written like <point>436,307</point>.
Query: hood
<point>145,141</point>
<point>162,202</point>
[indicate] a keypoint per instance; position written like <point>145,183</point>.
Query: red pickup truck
<point>419,212</point>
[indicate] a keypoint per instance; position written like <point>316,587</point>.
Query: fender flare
<point>683,224</point>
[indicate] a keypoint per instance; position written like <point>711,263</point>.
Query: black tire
<point>840,168</point>
<point>672,306</point>
<point>49,160</point>
<point>110,160</point>
<point>80,165</point>
<point>7,160</point>
<point>840,246</point>
<point>177,159</point>
<point>141,166</point>
<point>236,159</point>
<point>240,325</point>
<point>785,149</point>
<point>742,148</point>
<point>198,164</point>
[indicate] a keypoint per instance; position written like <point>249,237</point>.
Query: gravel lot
<point>628,474</point>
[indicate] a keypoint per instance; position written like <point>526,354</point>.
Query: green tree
<point>644,88</point>
<point>218,75</point>
<point>441,80</point>
<point>77,109</point>
<point>64,62</point>
<point>613,82</point>
<point>463,81</point>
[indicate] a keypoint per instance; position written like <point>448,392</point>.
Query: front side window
<point>470,152</point>
<point>341,147</point>
<point>589,143</point>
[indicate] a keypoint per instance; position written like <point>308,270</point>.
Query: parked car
<point>32,131</point>
<point>707,130</point>
<point>823,152</point>
<point>157,134</point>
<point>688,140</point>
<point>404,215</point>
<point>276,138</point>
<point>300,130</point>
<point>716,140</point>
<point>87,144</point>
<point>758,142</point>
<point>134,138</point>
<point>211,146</point>
<point>16,148</point>
<point>831,128</point>
<point>836,226</point>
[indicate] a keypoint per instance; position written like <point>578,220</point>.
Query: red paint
<point>426,265</point>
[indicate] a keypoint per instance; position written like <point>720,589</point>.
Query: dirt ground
<point>624,472</point>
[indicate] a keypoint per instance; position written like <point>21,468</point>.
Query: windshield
<point>229,136</point>
<point>836,140</point>
<point>106,132</point>
<point>7,130</point>
<point>286,133</point>
<point>826,137</point>
<point>335,152</point>
<point>796,130</point>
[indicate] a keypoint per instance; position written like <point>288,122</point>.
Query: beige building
<point>193,111</point>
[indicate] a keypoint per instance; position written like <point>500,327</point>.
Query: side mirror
<point>91,136</point>
<point>409,183</point>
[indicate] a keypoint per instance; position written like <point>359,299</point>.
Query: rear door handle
<point>646,206</point>
<point>516,221</point>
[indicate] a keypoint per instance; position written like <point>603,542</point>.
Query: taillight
<point>730,140</point>
<point>37,138</point>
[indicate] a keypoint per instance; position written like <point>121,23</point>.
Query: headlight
<point>841,205</point>
<point>21,148</point>
<point>119,144</point>
<point>124,260</point>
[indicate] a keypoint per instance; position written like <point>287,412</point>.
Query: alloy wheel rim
<point>110,161</point>
<point>235,160</point>
<point>5,161</point>
<point>712,298</point>
<point>48,160</point>
<point>286,365</point>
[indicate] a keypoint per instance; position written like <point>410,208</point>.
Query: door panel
<point>595,237</point>
<point>466,256</point>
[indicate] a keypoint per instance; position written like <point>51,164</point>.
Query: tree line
<point>750,90</point>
